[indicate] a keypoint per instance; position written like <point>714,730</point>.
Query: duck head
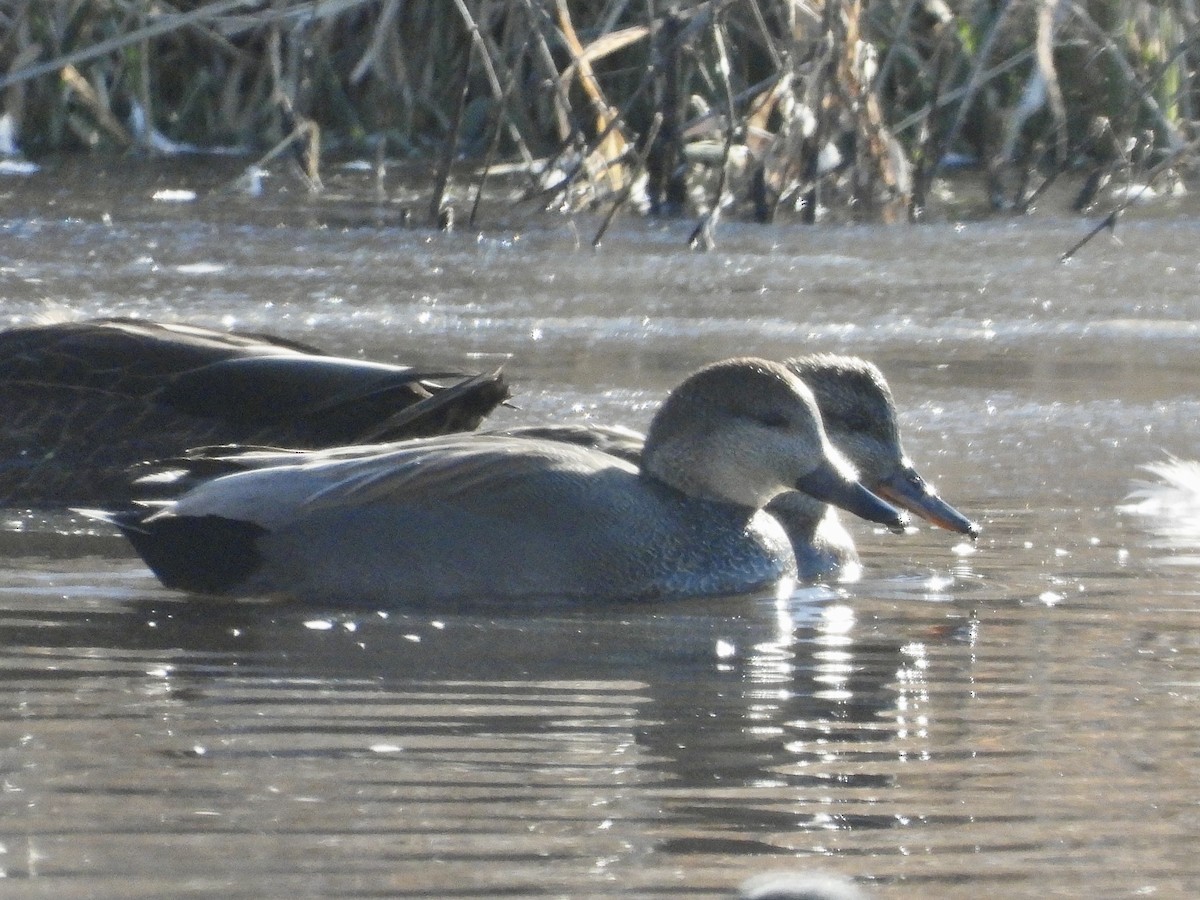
<point>745,430</point>
<point>860,418</point>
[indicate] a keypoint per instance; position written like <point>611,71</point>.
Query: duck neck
<point>800,514</point>
<point>690,471</point>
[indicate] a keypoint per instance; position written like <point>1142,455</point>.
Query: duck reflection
<point>803,720</point>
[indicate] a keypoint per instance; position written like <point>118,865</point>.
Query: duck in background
<point>83,401</point>
<point>495,517</point>
<point>860,418</point>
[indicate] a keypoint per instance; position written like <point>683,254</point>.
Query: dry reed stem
<point>703,236</point>
<point>553,80</point>
<point>1174,138</point>
<point>1132,197</point>
<point>165,25</point>
<point>90,98</point>
<point>488,55</point>
<point>611,146</point>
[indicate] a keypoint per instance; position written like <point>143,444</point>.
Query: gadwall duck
<point>83,401</point>
<point>860,418</point>
<point>496,517</point>
<point>859,415</point>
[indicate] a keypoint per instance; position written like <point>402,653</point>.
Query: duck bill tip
<point>909,491</point>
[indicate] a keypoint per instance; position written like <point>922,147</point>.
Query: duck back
<point>84,401</point>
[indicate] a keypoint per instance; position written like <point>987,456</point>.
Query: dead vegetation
<point>837,109</point>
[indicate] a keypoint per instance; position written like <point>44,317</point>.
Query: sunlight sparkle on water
<point>938,583</point>
<point>174,195</point>
<point>200,268</point>
<point>18,167</point>
<point>837,619</point>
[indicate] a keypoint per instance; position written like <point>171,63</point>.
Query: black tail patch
<point>203,554</point>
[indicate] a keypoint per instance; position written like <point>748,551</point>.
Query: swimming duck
<point>500,517</point>
<point>859,415</point>
<point>83,401</point>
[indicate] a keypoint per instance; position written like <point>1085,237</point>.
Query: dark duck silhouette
<point>83,401</point>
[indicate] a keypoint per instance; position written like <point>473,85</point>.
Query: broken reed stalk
<point>442,177</point>
<point>490,56</point>
<point>497,115</point>
<point>623,197</point>
<point>703,236</point>
<point>1110,220</point>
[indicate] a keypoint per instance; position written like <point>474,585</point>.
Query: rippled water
<point>1017,719</point>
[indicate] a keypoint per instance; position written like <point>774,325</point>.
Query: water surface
<point>1014,719</point>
